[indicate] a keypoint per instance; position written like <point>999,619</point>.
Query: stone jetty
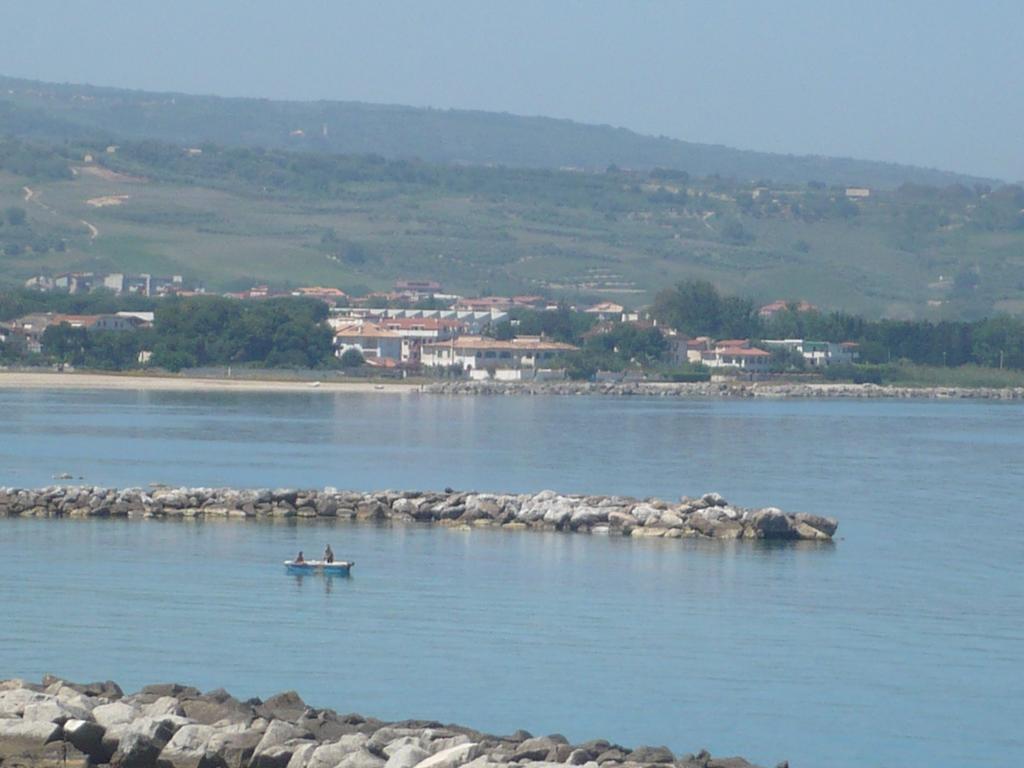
<point>60,724</point>
<point>709,516</point>
<point>724,390</point>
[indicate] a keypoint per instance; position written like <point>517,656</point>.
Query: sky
<point>938,84</point>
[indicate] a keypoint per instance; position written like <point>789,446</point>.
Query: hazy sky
<point>931,83</point>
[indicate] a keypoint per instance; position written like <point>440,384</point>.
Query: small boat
<point>337,568</point>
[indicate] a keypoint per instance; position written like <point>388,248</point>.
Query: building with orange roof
<point>370,339</point>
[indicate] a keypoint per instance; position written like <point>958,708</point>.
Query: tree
<point>65,344</point>
<point>784,359</point>
<point>15,216</point>
<point>693,307</point>
<point>352,358</point>
<point>503,331</point>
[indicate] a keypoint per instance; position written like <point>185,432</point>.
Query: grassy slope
<point>475,244</point>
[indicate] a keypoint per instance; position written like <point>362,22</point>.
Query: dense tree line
<point>199,331</point>
<point>99,302</point>
<point>696,308</point>
<point>34,161</point>
<point>285,332</point>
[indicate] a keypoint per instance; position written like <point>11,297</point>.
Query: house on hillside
<point>329,296</point>
<point>768,311</point>
<point>606,310</point>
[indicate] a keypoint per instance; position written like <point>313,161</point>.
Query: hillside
<point>229,218</point>
<point>37,110</point>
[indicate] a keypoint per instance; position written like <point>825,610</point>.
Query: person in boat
<point>299,559</point>
<point>328,555</point>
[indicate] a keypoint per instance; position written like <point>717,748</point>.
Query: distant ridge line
<point>51,111</point>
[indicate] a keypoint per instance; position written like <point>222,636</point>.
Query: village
<point>418,328</point>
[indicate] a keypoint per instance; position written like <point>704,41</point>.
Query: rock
<point>453,757</point>
<point>284,706</point>
<point>14,701</point>
<point>87,737</point>
<point>534,749</point>
<point>770,523</point>
<point>407,756</point>
<point>70,696</point>
<point>278,732</point>
<point>301,756</point>
<point>648,532</point>
<point>646,754</point>
<point>325,725</point>
<point>441,743</point>
<point>235,750</point>
<point>826,525</point>
<point>136,750</point>
<point>611,755</point>
<point>56,754</point>
<point>106,689</point>
<point>645,514</point>
<point>361,758</point>
<point>187,748</point>
<point>277,756</point>
<point>809,533</point>
<point>23,734</point>
<point>55,711</point>
<point>207,711</point>
<point>114,713</point>
<point>579,757</point>
<point>329,755</point>
<point>165,705</point>
<point>173,690</point>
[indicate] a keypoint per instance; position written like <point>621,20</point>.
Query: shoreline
<point>168,383</point>
<point>737,390</point>
<point>707,517</point>
<point>61,724</point>
<point>119,381</point>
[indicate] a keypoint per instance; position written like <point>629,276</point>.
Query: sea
<point>901,643</point>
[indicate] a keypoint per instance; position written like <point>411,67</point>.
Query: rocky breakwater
<point>60,724</point>
<point>724,389</point>
<point>709,516</point>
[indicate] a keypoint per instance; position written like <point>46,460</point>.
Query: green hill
<point>232,217</point>
<point>37,110</point>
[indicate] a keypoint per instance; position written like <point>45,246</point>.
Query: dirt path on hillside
<point>93,231</point>
<point>31,196</point>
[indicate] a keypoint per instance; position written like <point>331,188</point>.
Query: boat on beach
<point>337,568</point>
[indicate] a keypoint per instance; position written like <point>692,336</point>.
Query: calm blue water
<point>900,645</point>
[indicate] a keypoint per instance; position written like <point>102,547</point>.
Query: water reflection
<point>327,579</point>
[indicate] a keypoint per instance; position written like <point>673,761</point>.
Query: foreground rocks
<point>153,729</point>
<point>708,517</point>
<point>723,389</point>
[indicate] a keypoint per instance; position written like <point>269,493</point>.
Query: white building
<point>819,354</point>
<point>372,341</point>
<point>742,358</point>
<point>475,322</point>
<point>473,353</point>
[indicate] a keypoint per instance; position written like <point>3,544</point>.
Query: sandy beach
<point>53,380</point>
